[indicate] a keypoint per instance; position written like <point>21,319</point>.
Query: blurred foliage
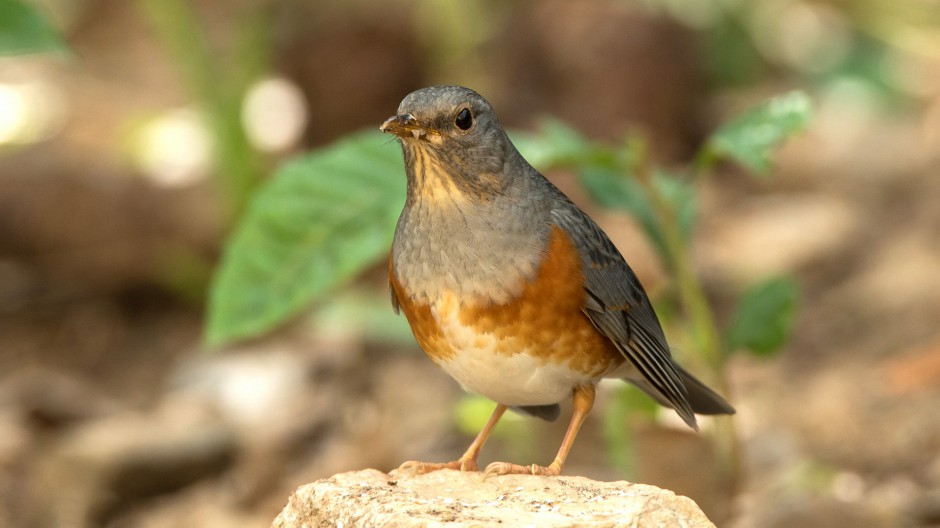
<point>24,29</point>
<point>629,407</point>
<point>514,431</point>
<point>621,177</point>
<point>320,221</point>
<point>764,317</point>
<point>219,82</point>
<point>751,138</point>
<point>874,44</point>
<point>451,35</point>
<point>730,57</point>
<point>354,312</point>
<point>602,169</point>
<point>473,411</point>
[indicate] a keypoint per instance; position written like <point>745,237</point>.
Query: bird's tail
<point>702,399</point>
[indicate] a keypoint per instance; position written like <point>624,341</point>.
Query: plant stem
<point>704,329</point>
<point>219,91</point>
<point>691,293</point>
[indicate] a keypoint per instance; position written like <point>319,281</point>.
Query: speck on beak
<point>403,126</point>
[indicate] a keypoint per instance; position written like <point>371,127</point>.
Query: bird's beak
<point>403,126</point>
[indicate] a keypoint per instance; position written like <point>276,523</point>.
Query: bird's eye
<point>464,120</point>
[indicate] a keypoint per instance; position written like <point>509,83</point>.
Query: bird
<point>510,288</point>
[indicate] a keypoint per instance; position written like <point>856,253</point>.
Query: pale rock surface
<point>453,499</point>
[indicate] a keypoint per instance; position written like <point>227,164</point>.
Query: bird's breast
<point>528,348</point>
<point>454,244</point>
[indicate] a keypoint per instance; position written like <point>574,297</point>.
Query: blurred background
<point>127,159</point>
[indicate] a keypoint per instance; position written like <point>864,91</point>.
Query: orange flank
<point>545,321</point>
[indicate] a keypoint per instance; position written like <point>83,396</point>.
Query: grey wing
<point>618,307</point>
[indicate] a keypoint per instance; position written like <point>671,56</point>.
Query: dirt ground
<point>112,412</point>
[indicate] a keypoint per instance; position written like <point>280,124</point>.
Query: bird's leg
<point>583,399</point>
<point>467,461</point>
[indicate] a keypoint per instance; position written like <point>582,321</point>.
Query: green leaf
<point>608,176</point>
<point>321,220</point>
<point>764,317</point>
<point>750,138</point>
<point>610,188</point>
<point>558,145</point>
<point>23,29</point>
<point>730,56</point>
<point>616,190</point>
<point>680,196</point>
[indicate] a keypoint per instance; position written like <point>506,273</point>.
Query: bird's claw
<point>413,467</point>
<point>507,468</point>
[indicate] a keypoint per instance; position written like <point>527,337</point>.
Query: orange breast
<point>545,321</point>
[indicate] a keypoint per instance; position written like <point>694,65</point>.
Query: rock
<point>452,498</point>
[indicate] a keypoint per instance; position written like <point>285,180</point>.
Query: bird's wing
<point>618,307</point>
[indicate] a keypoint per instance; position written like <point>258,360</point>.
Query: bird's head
<point>453,131</point>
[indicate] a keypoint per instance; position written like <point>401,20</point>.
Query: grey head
<point>454,132</point>
<point>476,218</point>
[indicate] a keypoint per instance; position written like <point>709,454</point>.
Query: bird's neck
<point>435,178</point>
<point>450,242</point>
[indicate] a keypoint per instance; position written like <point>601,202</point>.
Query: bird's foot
<point>413,467</point>
<point>506,468</point>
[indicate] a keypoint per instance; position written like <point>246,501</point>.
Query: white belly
<point>517,379</point>
<point>500,369</point>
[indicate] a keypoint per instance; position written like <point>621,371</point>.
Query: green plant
<point>218,79</point>
<point>322,219</point>
<point>218,82</point>
<point>24,29</point>
<point>663,201</point>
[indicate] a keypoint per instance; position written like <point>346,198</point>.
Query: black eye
<point>464,120</point>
